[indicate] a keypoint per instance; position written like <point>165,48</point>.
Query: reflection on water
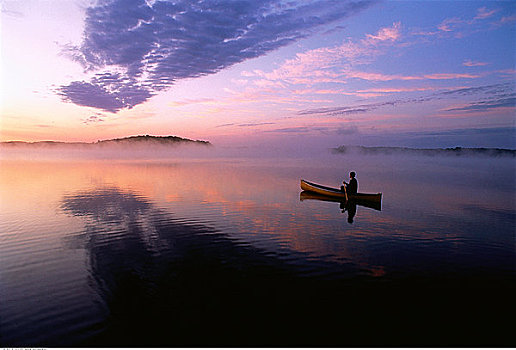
<point>349,206</point>
<point>230,253</point>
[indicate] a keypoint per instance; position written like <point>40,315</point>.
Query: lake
<point>223,252</point>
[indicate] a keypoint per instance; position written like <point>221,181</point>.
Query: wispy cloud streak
<point>495,96</point>
<point>487,104</point>
<point>470,63</point>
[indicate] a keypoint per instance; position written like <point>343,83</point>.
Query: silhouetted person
<point>352,186</point>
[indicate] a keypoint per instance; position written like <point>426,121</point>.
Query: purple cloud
<point>493,96</point>
<point>487,104</point>
<point>345,110</point>
<point>99,95</point>
<point>318,129</point>
<point>254,124</point>
<point>146,46</point>
<point>96,118</point>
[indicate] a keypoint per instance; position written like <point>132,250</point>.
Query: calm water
<point>224,253</point>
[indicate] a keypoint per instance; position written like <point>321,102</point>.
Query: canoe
<point>337,193</point>
<point>327,191</point>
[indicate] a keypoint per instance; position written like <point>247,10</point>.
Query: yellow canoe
<point>334,192</point>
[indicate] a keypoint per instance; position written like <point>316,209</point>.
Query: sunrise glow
<point>362,72</point>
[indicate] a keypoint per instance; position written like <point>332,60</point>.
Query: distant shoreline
<point>456,151</point>
<point>130,140</point>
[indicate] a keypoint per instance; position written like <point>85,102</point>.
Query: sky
<point>247,72</point>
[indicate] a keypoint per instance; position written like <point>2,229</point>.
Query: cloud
<point>110,96</point>
<point>325,130</point>
<point>386,34</point>
<point>485,105</point>
<point>224,125</point>
<point>145,46</point>
<point>483,13</point>
<point>93,119</point>
<point>294,130</point>
<point>345,110</point>
<point>255,124</point>
<point>338,65</point>
<point>494,96</point>
<point>371,76</point>
<point>508,19</point>
<point>244,125</point>
<point>12,9</point>
<point>332,64</point>
<point>470,63</point>
<point>446,76</point>
<point>387,77</point>
<point>382,91</point>
<point>461,27</point>
<point>450,24</point>
<point>494,89</point>
<point>12,13</point>
<point>193,101</point>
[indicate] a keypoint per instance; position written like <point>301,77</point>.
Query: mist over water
<point>154,247</point>
<point>287,148</point>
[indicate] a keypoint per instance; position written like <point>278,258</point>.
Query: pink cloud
<point>334,64</point>
<point>320,65</point>
<point>192,101</point>
<point>423,33</point>
<point>396,90</point>
<point>509,73</point>
<point>461,27</point>
<point>449,24</point>
<point>508,19</point>
<point>470,63</point>
<point>483,13</point>
<point>385,34</point>
<point>388,77</point>
<point>380,76</point>
<point>446,76</point>
<point>364,94</point>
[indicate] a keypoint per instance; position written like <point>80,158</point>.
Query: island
<point>140,140</point>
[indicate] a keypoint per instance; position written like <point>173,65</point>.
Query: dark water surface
<point>224,253</point>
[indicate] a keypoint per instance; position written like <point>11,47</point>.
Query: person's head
<point>352,174</point>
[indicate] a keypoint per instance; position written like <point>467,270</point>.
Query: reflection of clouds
<point>110,210</point>
<point>158,275</point>
<point>504,215</point>
<point>106,204</point>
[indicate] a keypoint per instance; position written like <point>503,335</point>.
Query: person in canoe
<point>352,186</point>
